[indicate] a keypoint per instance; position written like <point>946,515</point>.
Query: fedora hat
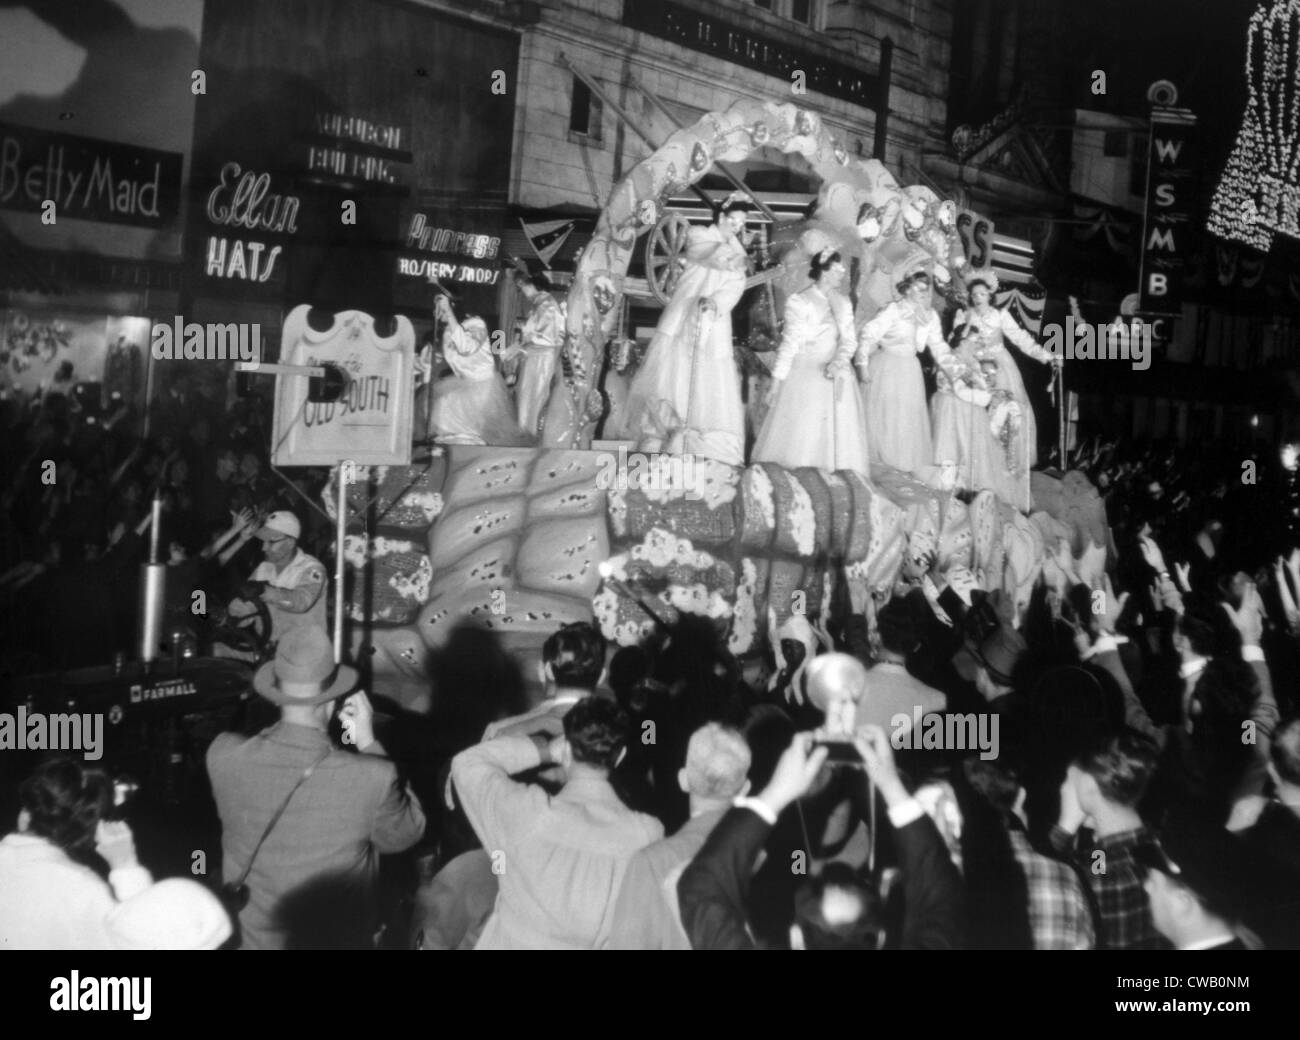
<point>304,657</point>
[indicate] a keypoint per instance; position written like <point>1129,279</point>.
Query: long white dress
<point>686,395</point>
<point>542,335</point>
<point>1019,441</point>
<point>472,406</point>
<point>898,424</point>
<point>960,421</point>
<point>815,421</point>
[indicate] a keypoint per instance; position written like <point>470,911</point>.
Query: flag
<point>1025,306</point>
<point>547,237</point>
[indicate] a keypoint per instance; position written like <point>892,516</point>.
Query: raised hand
<point>795,772</point>
<point>1114,607</point>
<point>1152,554</point>
<point>1249,617</point>
<point>115,843</point>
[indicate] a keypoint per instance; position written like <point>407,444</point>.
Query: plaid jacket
<point>1123,911</point>
<point>1058,909</point>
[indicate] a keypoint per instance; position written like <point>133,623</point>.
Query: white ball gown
<point>815,421</point>
<point>960,420</point>
<point>472,406</point>
<point>1019,436</point>
<point>685,395</point>
<point>898,422</point>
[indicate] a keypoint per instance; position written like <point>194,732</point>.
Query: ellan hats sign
<point>87,179</point>
<point>370,424</point>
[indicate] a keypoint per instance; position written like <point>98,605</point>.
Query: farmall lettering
<point>163,691</point>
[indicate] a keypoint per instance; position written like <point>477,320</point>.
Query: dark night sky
<point>1198,44</point>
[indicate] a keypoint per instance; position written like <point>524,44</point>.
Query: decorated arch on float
<point>861,210</point>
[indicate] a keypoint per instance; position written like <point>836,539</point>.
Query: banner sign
<point>370,424</point>
<point>87,179</point>
<point>1167,230</point>
<point>976,237</point>
<point>738,43</point>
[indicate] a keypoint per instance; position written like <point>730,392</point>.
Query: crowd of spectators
<point>77,484</point>
<point>1118,764</point>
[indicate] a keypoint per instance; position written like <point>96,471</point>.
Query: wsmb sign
<point>1167,229</point>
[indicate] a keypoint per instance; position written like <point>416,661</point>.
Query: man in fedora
<point>290,582</point>
<point>312,881</point>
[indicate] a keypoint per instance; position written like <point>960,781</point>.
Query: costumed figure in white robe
<point>686,396</point>
<point>540,340</point>
<point>960,420</point>
<point>816,417</point>
<point>1011,417</point>
<point>471,406</point>
<point>898,422</point>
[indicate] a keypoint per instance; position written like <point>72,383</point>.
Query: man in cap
<point>309,817</point>
<point>1194,880</point>
<point>290,582</point>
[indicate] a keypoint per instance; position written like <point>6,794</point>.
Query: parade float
<point>521,540</point>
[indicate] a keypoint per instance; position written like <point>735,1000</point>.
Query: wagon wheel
<point>665,255</point>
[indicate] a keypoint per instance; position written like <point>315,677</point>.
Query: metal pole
<point>1062,404</point>
<point>339,534</point>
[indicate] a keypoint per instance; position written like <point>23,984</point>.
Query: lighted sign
<point>243,199</point>
<point>350,148</point>
<point>449,242</point>
<point>88,179</point>
<point>1168,226</point>
<point>428,239</point>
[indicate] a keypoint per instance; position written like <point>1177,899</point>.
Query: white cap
<point>280,524</point>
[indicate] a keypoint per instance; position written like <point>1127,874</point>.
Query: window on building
<point>766,5</point>
<point>584,111</point>
<point>801,11</point>
<point>1116,144</point>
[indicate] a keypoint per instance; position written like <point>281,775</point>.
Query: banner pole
<point>1061,405</point>
<point>339,534</point>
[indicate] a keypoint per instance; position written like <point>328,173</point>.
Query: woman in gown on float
<point>686,397</point>
<point>816,417</point>
<point>1011,415</point>
<point>472,406</point>
<point>898,423</point>
<point>960,419</point>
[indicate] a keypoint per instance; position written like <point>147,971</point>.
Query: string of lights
<point>1258,195</point>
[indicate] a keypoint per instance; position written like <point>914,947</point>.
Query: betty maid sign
<point>370,423</point>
